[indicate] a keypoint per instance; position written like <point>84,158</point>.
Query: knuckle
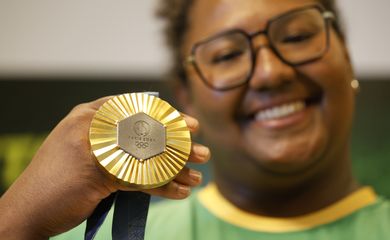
<point>79,107</point>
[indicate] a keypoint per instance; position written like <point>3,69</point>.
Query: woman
<point>270,82</point>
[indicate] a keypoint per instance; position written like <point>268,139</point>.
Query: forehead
<point>208,17</point>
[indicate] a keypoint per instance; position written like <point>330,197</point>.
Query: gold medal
<point>140,140</point>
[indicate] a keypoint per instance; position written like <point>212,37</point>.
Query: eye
<point>226,56</point>
<point>298,38</point>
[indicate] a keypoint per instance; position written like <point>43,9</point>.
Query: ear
<point>348,56</point>
<point>354,82</point>
<point>183,95</point>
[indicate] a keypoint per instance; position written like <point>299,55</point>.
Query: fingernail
<point>192,122</point>
<point>184,190</point>
<point>195,175</point>
<point>203,151</point>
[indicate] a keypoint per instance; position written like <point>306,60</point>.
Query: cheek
<point>215,110</point>
<point>334,74</point>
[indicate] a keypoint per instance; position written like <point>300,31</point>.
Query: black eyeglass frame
<point>327,16</point>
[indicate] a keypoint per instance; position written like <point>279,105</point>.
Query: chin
<point>291,155</point>
<point>286,165</point>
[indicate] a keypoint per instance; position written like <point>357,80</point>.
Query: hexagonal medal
<point>140,140</point>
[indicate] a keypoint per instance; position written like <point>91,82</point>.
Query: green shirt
<point>207,215</point>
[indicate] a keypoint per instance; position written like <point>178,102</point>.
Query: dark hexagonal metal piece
<point>141,136</point>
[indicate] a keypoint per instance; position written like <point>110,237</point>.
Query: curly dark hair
<point>175,13</point>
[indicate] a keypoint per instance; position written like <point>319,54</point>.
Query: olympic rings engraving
<point>142,145</point>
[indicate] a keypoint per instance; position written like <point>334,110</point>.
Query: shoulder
<point>370,222</point>
<point>165,207</point>
<point>379,212</point>
<point>168,219</point>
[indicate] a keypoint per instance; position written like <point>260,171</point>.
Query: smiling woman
<point>278,76</point>
<point>270,82</point>
<point>279,153</point>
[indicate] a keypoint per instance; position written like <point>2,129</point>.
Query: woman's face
<point>231,120</point>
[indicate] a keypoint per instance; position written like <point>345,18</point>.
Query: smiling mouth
<point>285,110</point>
<point>280,111</point>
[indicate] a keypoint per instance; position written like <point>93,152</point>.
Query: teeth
<point>280,111</point>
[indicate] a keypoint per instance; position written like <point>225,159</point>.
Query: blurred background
<point>56,54</point>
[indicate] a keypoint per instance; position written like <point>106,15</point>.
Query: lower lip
<point>289,121</point>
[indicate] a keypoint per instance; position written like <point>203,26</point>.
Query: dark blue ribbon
<point>130,212</point>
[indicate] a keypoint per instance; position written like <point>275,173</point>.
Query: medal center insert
<point>141,136</point>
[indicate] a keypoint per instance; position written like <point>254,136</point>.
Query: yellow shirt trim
<point>219,206</point>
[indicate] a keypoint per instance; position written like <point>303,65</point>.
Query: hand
<point>62,185</point>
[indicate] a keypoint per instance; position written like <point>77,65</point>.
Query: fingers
<point>89,108</point>
<point>199,153</point>
<point>172,190</point>
<point>189,177</point>
<point>99,102</point>
<point>192,123</point>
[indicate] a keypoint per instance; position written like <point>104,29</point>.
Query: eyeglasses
<point>227,60</point>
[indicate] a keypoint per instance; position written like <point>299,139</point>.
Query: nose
<point>270,71</point>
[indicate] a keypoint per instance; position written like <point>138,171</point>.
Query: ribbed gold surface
<point>128,170</point>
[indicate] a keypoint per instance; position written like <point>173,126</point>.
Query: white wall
<point>122,37</point>
<point>119,37</point>
<point>368,28</point>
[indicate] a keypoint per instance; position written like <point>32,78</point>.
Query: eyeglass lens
<point>226,61</point>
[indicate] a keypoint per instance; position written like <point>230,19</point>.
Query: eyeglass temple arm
<point>328,15</point>
<point>188,60</point>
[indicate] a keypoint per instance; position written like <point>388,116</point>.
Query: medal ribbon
<point>130,213</point>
